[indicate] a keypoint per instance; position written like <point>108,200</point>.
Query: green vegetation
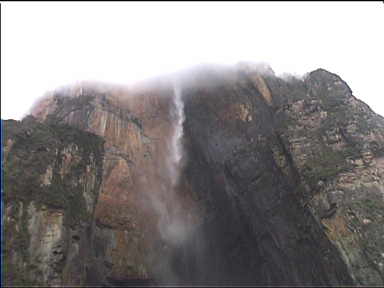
<point>352,152</point>
<point>66,105</point>
<point>38,146</point>
<point>14,276</point>
<point>76,209</point>
<point>17,241</point>
<point>332,104</point>
<point>370,206</point>
<point>325,165</point>
<point>23,237</point>
<point>285,121</point>
<point>137,122</point>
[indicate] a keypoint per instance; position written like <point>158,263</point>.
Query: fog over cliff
<point>215,175</point>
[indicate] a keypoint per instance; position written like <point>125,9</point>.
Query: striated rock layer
<point>280,182</point>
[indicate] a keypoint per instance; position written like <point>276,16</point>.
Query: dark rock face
<point>281,182</point>
<point>255,230</point>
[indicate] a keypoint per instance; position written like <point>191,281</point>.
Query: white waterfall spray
<point>176,230</point>
<point>172,207</point>
<point>172,226</point>
<point>176,152</point>
<point>166,200</point>
<point>173,229</point>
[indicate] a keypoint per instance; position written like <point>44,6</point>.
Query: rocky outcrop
<point>52,181</point>
<point>280,180</point>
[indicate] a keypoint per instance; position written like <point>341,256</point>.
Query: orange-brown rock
<point>137,126</point>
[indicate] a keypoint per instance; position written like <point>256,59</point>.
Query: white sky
<point>46,45</point>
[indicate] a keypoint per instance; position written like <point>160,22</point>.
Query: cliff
<point>52,181</point>
<point>216,175</point>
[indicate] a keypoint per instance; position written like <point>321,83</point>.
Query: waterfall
<point>176,151</point>
<point>172,225</point>
<point>166,200</point>
<point>174,231</point>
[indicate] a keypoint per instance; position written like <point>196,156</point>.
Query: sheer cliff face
<point>52,180</point>
<point>138,208</point>
<point>269,180</point>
